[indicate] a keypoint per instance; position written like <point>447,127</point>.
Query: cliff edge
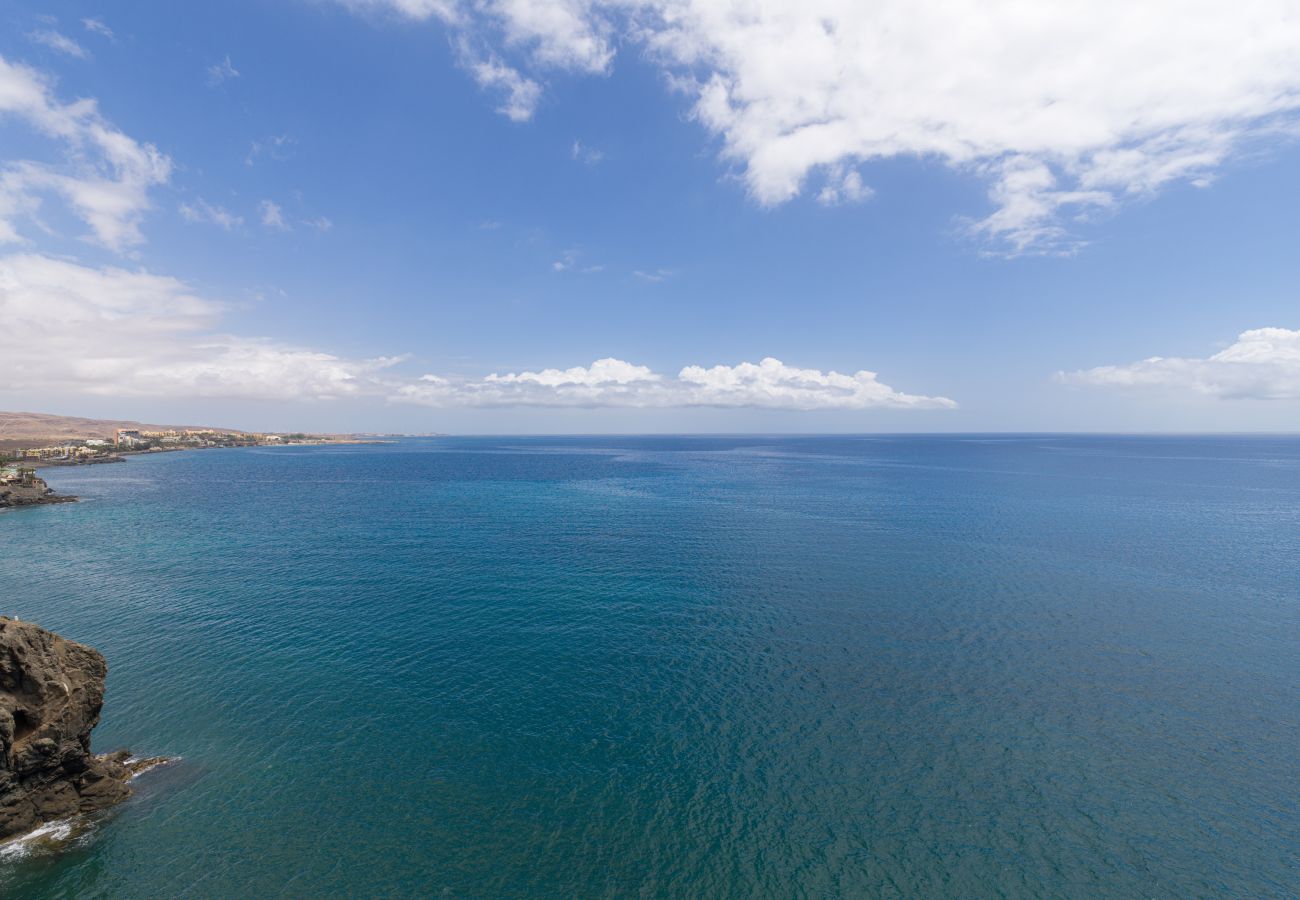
<point>51,692</point>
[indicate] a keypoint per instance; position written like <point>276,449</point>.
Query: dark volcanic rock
<point>51,691</point>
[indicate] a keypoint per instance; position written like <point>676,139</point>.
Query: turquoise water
<point>690,667</point>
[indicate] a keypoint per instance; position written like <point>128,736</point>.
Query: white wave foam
<point>158,761</point>
<point>51,833</point>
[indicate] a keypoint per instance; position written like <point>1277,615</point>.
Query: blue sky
<point>419,215</point>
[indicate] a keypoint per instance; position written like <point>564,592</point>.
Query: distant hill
<point>23,429</point>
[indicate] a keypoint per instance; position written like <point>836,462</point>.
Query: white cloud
<point>273,216</point>
<point>843,187</point>
<point>520,95</point>
<point>97,26</point>
<point>221,72</point>
<point>613,382</point>
<point>587,155</point>
<point>413,9</point>
<point>320,223</point>
<point>1065,109</point>
<point>60,43</point>
<point>1263,364</point>
<point>654,277</point>
<point>116,332</point>
<point>568,262</point>
<point>772,383</point>
<point>277,147</point>
<point>202,211</point>
<point>105,176</point>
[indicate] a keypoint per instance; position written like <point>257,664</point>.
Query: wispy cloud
<point>105,177</point>
<point>273,216</point>
<point>221,72</point>
<point>59,43</point>
<point>520,95</point>
<point>276,147</point>
<point>588,156</point>
<point>569,262</point>
<point>652,277</point>
<point>97,26</point>
<point>202,211</point>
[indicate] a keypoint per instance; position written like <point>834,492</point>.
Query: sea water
<point>684,666</point>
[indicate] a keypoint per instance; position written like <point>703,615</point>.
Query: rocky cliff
<point>51,691</point>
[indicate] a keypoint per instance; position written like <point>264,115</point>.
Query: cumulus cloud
<point>1262,364</point>
<point>58,42</point>
<point>104,177</point>
<point>843,187</point>
<point>1064,109</point>
<point>613,382</point>
<point>117,332</point>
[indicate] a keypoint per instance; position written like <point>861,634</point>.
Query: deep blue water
<point>690,667</point>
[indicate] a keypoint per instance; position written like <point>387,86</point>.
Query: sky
<point>584,216</point>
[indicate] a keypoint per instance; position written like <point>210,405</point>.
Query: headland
<point>51,693</point>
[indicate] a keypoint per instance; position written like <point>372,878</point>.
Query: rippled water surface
<point>705,667</point>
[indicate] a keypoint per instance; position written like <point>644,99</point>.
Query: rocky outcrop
<point>51,691</point>
<point>28,491</point>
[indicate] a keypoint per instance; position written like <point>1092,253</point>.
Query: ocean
<point>900,666</point>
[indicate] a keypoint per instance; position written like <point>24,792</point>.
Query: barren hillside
<point>22,429</point>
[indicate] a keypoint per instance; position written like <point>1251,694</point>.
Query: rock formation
<point>51,691</point>
<point>27,490</point>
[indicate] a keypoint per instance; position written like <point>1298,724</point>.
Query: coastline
<point>34,491</point>
<point>118,456</point>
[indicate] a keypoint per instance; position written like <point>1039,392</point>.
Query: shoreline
<point>19,491</point>
<point>117,456</point>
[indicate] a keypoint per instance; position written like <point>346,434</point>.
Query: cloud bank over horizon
<point>109,331</point>
<point>769,384</point>
<point>1262,364</point>
<point>1064,110</point>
